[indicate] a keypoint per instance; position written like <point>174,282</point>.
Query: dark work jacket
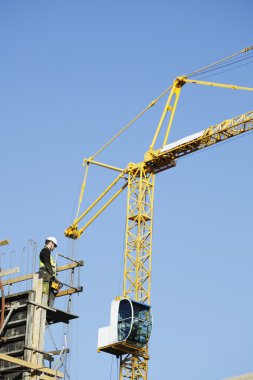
<point>45,255</point>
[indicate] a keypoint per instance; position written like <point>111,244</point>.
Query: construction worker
<point>47,269</point>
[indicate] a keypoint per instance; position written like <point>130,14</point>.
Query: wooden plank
<point>17,279</point>
<point>30,276</point>
<point>70,266</point>
<point>247,376</point>
<point>36,357</point>
<point>65,350</point>
<point>26,364</point>
<point>67,292</point>
<point>39,323</point>
<point>43,317</point>
<point>43,306</point>
<point>45,354</point>
<point>4,242</point>
<point>9,271</point>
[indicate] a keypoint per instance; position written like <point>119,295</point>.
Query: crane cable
<point>111,367</point>
<point>204,69</point>
<point>130,123</point>
<point>232,62</point>
<point>224,71</point>
<point>62,355</point>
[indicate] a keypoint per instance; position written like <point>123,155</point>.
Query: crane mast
<point>138,236</point>
<point>140,180</point>
<point>137,255</point>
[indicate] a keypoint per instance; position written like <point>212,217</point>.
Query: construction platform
<point>16,335</point>
<point>123,348</point>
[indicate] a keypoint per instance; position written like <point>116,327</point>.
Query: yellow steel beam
<point>222,85</point>
<point>72,231</point>
<point>102,209</point>
<point>173,98</point>
<point>89,161</point>
<point>170,105</point>
<point>114,182</point>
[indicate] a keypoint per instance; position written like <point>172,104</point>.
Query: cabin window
<point>124,319</point>
<point>142,325</point>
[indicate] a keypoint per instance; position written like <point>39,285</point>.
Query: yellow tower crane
<point>131,320</point>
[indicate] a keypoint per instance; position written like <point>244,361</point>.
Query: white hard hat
<point>53,239</point>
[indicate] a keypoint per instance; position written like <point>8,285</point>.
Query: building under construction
<point>24,318</point>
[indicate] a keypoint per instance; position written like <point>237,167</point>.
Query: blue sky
<point>72,74</point>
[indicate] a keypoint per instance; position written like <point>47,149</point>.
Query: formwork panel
<point>14,334</point>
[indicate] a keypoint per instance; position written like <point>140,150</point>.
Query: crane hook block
<point>129,330</point>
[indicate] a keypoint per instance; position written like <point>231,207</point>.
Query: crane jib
<point>166,157</point>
